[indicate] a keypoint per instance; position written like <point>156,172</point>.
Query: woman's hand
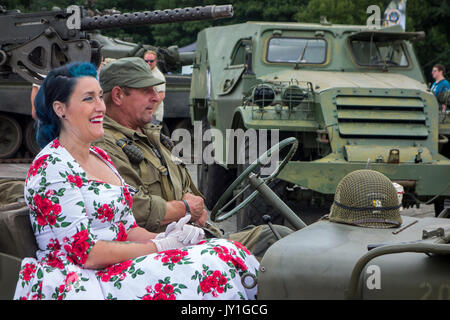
<point>176,227</point>
<point>169,242</point>
<point>139,234</point>
<point>191,235</point>
<point>184,232</point>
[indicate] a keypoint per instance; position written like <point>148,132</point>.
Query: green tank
<point>352,96</point>
<point>37,42</point>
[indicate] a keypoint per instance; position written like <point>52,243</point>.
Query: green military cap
<point>130,72</point>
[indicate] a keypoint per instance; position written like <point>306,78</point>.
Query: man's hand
<point>202,220</point>
<point>196,204</point>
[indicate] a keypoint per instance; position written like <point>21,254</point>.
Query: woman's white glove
<point>182,232</point>
<point>168,240</point>
<point>167,243</point>
<point>176,227</point>
<point>191,235</point>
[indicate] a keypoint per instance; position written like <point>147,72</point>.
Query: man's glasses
<point>150,61</point>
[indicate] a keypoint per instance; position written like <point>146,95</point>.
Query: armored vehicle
<point>34,43</point>
<point>351,95</point>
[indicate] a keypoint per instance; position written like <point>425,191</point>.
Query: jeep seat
<point>9,272</point>
<point>16,235</point>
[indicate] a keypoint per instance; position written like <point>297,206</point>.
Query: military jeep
<point>325,260</point>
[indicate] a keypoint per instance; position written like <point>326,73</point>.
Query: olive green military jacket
<point>157,181</point>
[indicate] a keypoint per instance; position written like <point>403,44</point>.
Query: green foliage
<point>183,34</point>
<point>339,11</point>
<point>431,16</point>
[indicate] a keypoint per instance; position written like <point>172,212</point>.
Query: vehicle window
<point>238,56</point>
<point>373,53</point>
<point>293,50</point>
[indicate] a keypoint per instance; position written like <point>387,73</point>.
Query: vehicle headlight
<point>263,95</point>
<point>293,96</point>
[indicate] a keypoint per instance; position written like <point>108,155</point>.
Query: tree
<point>185,33</point>
<point>338,11</point>
<point>431,16</point>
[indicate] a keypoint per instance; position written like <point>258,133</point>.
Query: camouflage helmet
<point>368,199</point>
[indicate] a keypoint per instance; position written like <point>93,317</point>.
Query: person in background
<point>440,84</point>
<point>34,89</point>
<point>151,58</point>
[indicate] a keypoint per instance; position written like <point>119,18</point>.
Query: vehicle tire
<point>438,206</point>
<point>30,139</point>
<point>213,179</point>
<point>10,136</point>
<point>202,177</point>
<point>165,129</point>
<point>252,214</point>
<point>186,125</point>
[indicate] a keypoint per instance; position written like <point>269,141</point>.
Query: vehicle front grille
<point>381,117</point>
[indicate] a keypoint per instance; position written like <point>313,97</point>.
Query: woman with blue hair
<point>90,246</point>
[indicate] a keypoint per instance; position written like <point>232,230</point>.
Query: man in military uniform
<point>165,191</point>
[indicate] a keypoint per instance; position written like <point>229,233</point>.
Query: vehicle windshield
<point>374,53</point>
<point>293,50</point>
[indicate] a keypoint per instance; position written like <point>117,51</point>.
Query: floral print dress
<point>69,213</point>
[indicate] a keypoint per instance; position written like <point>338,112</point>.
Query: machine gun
<point>34,43</point>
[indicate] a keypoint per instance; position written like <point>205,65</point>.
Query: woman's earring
<point>63,116</point>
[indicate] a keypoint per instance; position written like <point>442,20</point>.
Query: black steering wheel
<point>261,185</point>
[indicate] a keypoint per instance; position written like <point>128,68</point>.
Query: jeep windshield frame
<point>290,49</point>
<point>377,41</point>
<point>376,53</point>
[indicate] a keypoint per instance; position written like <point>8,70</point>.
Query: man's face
<point>436,73</point>
<point>151,60</point>
<point>140,104</point>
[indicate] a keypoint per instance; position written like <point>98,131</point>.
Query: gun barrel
<point>157,17</point>
<point>187,58</point>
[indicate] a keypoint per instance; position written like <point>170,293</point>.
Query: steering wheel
<point>260,184</point>
<point>393,63</point>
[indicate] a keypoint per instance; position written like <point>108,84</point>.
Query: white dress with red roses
<point>69,213</point>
